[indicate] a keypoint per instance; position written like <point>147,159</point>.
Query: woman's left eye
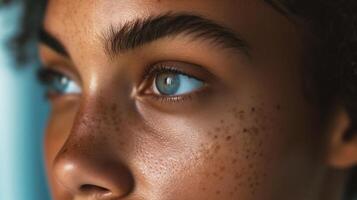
<point>175,84</point>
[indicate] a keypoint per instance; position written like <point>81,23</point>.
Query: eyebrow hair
<point>277,5</point>
<point>284,9</point>
<point>50,41</point>
<point>138,32</point>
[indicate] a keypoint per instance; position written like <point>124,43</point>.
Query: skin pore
<point>245,130</point>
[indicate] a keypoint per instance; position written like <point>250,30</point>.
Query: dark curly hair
<point>32,17</point>
<point>331,29</point>
<point>332,48</point>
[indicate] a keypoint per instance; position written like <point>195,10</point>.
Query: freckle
<point>245,130</point>
<point>236,115</point>
<point>253,109</point>
<point>255,130</point>
<point>218,147</point>
<point>222,168</point>
<point>222,121</point>
<point>234,161</point>
<point>217,129</point>
<point>278,107</point>
<point>237,176</point>
<point>218,192</point>
<point>215,136</point>
<point>228,138</point>
<point>64,150</point>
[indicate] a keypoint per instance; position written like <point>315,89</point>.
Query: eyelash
<point>153,71</point>
<point>46,75</point>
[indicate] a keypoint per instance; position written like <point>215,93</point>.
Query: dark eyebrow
<point>50,41</point>
<point>136,33</point>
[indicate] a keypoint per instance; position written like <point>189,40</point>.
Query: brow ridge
<point>50,41</point>
<point>138,32</point>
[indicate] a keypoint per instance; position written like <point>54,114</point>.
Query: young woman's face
<point>186,100</point>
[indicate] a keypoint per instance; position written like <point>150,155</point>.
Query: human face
<point>174,100</point>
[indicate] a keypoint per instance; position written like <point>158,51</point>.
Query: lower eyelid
<point>176,104</point>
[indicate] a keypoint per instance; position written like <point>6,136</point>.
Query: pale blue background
<point>23,113</point>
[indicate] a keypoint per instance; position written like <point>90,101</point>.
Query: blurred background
<point>23,110</point>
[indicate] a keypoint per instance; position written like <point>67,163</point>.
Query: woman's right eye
<point>57,83</point>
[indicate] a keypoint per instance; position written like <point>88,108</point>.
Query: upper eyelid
<point>51,59</point>
<point>190,69</point>
<point>156,71</point>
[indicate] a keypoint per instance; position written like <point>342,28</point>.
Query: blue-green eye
<point>174,84</point>
<point>58,83</point>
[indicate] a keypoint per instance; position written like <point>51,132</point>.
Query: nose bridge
<point>86,164</point>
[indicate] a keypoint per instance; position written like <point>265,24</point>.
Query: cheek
<point>58,130</point>
<point>223,156</point>
<point>234,156</point>
<point>60,122</point>
<point>242,152</point>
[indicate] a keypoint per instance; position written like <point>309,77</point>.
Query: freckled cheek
<point>232,166</point>
<point>231,158</point>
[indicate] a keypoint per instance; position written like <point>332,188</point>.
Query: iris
<point>173,84</point>
<point>58,83</point>
<point>64,85</point>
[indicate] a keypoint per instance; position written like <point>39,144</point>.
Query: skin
<point>251,134</point>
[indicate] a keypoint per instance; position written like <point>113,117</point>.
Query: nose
<point>90,169</point>
<point>93,177</point>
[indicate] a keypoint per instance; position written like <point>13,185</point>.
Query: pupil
<point>61,84</point>
<point>167,83</point>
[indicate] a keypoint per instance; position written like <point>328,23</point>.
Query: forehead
<point>67,18</point>
<point>79,24</point>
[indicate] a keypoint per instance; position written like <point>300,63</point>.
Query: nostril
<point>88,189</point>
<point>88,178</point>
